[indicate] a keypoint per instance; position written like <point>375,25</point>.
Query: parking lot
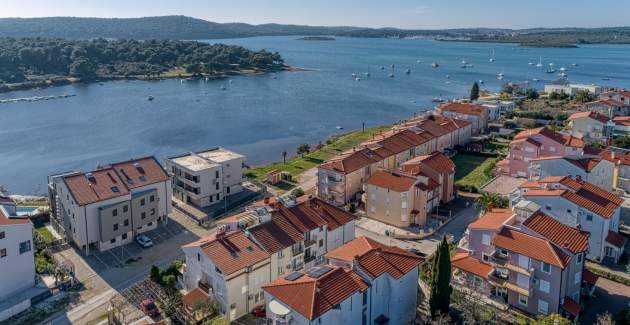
<point>120,256</point>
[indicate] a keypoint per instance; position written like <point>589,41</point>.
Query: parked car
<point>149,308</point>
<point>259,312</point>
<point>144,241</point>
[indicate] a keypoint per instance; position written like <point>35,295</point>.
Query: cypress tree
<point>441,280</point>
<point>474,91</point>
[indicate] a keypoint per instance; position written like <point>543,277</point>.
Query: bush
<point>298,192</point>
<point>353,208</point>
<point>155,274</point>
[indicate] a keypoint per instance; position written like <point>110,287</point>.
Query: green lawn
<point>46,235</point>
<point>472,171</point>
<point>298,165</point>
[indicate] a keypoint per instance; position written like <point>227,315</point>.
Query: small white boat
<point>339,127</point>
<point>539,64</point>
<point>150,98</point>
<point>448,76</point>
<point>499,77</point>
<point>182,81</point>
<point>357,79</point>
<point>530,63</point>
<point>535,80</point>
<point>435,65</point>
<point>408,71</point>
<point>418,61</point>
<point>464,62</point>
<point>492,59</point>
<point>574,64</point>
<point>223,88</point>
<point>437,99</point>
<point>391,75</point>
<point>481,81</point>
<point>354,75</point>
<point>562,75</point>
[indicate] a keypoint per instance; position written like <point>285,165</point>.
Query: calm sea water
<point>261,116</point>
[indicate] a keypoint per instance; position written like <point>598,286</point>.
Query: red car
<point>149,308</point>
<point>259,312</point>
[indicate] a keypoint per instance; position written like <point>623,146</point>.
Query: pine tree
<point>441,280</point>
<point>474,91</point>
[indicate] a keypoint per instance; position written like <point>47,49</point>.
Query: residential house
<point>621,161</point>
<point>563,87</point>
<point>617,95</point>
<point>17,283</point>
<point>593,169</point>
<point>524,259</point>
<point>478,115</point>
<point>109,206</point>
<point>438,167</point>
<point>608,107</point>
<point>576,202</point>
<point>297,237</point>
<point>590,126</point>
<point>400,199</point>
<point>537,143</point>
<point>230,268</point>
<point>621,125</point>
<point>206,177</point>
<point>496,108</point>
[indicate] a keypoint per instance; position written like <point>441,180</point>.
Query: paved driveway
<point>609,296</point>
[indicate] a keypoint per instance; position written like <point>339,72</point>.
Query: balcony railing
<point>310,242</point>
<point>309,259</point>
<point>297,250</point>
<point>499,259</point>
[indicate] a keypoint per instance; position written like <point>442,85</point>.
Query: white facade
<point>572,89</point>
<point>602,175</point>
<point>205,178</point>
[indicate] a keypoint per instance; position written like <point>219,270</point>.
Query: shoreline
<point>58,81</point>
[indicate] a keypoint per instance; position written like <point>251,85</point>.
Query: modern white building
<point>593,169</point>
<point>206,177</point>
<point>17,266</point>
<point>571,89</point>
<point>109,206</point>
<point>497,108</point>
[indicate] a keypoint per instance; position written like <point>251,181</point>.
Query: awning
<point>278,309</point>
<point>571,307</point>
<point>589,277</point>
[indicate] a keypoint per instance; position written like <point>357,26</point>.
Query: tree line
<point>24,58</point>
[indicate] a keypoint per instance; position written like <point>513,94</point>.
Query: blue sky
<point>428,14</point>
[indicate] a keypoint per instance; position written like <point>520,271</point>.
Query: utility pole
<point>363,127</point>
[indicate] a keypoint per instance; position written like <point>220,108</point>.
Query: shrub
<point>298,192</point>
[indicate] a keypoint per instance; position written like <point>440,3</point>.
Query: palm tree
<point>488,201</point>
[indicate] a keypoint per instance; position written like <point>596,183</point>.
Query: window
<point>150,223</point>
<point>365,297</point>
<point>3,252</point>
<point>543,307</point>
<point>216,174</point>
<point>579,258</point>
<point>578,277</point>
<point>321,243</point>
<point>126,222</point>
<point>25,247</point>
<point>372,209</point>
<point>523,261</point>
<point>485,257</point>
<point>124,236</point>
<point>115,227</point>
<point>216,269</point>
<point>1,234</point>
<point>477,282</point>
<point>522,300</point>
<point>115,189</point>
<point>545,267</point>
<point>364,317</point>
<point>152,198</point>
<point>152,212</point>
<point>547,207</point>
<point>589,217</point>
<point>198,257</point>
<point>143,215</point>
<point>125,208</point>
<point>522,281</point>
<point>485,239</point>
<point>142,202</point>
<point>227,189</point>
<point>114,212</point>
<point>544,286</point>
<point>216,185</point>
<point>337,306</point>
<point>112,241</point>
<point>218,197</point>
<point>403,205</point>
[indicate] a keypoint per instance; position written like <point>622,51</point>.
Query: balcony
<point>499,259</point>
<point>309,259</point>
<point>295,251</point>
<point>205,287</point>
<point>310,242</point>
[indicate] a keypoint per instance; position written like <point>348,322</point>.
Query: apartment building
<point>16,261</point>
<point>230,268</point>
<point>537,143</point>
<point>109,206</point>
<point>206,177</point>
<point>365,282</point>
<point>608,107</point>
<point>563,87</point>
<point>575,202</point>
<point>621,170</point>
<point>590,127</point>
<point>401,199</point>
<point>523,259</point>
<point>622,96</point>
<point>496,108</point>
<point>341,179</point>
<point>439,168</point>
<point>477,115</point>
<point>593,169</point>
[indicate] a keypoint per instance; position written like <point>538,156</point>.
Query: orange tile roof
<point>350,162</point>
<point>585,163</point>
<point>615,239</point>
<point>193,296</point>
<point>274,236</point>
<point>572,141</point>
<point>622,120</point>
<point>464,108</point>
<point>232,251</point>
<point>494,219</point>
<point>6,221</point>
<point>104,185</point>
<point>467,263</point>
<point>619,157</point>
<point>391,260</point>
<point>312,297</point>
<point>354,248</point>
<point>140,172</point>
<point>592,115</point>
<point>544,131</point>
<point>576,241</point>
<point>436,161</point>
<point>394,182</point>
<point>533,247</point>
<point>607,102</point>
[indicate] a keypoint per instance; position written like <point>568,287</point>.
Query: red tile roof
<point>544,131</point>
<point>576,241</point>
<point>140,172</point>
<point>494,219</point>
<point>586,163</point>
<point>622,120</point>
<point>275,235</point>
<point>391,260</point>
<point>104,184</point>
<point>354,248</point>
<point>463,108</point>
<point>467,263</point>
<point>394,182</point>
<point>607,102</point>
<point>572,141</point>
<point>6,221</point>
<point>353,161</point>
<point>592,115</point>
<point>193,296</point>
<point>571,306</point>
<point>436,161</point>
<point>615,239</point>
<point>619,157</point>
<point>312,297</point>
<point>232,251</point>
<point>533,247</point>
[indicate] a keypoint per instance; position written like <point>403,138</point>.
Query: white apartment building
<point>571,89</point>
<point>17,264</point>
<point>109,206</point>
<point>593,169</point>
<point>206,177</point>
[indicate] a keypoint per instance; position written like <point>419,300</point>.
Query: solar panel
<point>319,271</point>
<point>294,276</point>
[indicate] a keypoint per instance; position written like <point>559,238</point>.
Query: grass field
<point>48,237</point>
<point>297,165</point>
<point>472,171</point>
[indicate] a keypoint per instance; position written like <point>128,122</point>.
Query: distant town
<point>508,207</point>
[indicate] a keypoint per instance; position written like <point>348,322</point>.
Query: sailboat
<point>539,64</point>
<point>367,74</point>
<point>492,59</point>
<point>391,75</point>
<point>551,68</point>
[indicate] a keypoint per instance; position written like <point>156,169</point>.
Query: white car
<point>144,241</point>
